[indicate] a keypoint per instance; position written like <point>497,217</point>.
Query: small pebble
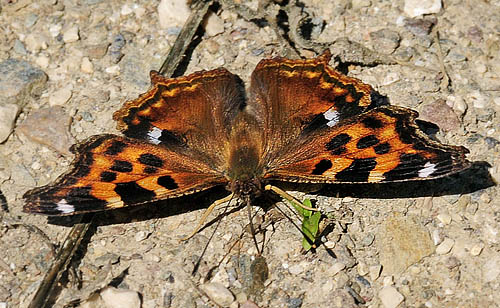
<point>362,269</point>
<point>86,66</point>
<point>120,298</point>
<point>114,69</point>
<point>42,61</point>
<point>414,8</point>
<point>214,25</point>
<point>126,10</point>
<point>478,99</point>
<point>168,11</point>
<point>390,297</point>
<point>335,268</point>
<point>386,40</point>
<point>374,271</point>
<point>296,269</point>
<point>445,246</point>
<point>61,96</point>
<point>19,48</point>
<point>55,29</point>
<point>141,235</point>
<point>218,293</point>
<point>388,280</point>
<point>71,35</point>
<point>35,42</point>
<point>445,218</point>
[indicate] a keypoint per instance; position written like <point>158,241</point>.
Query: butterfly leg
<point>205,215</point>
<point>283,194</point>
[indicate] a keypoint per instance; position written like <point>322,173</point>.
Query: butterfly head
<point>246,189</point>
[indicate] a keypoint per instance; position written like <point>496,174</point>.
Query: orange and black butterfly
<point>298,121</point>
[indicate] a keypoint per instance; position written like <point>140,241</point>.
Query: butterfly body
<point>301,121</point>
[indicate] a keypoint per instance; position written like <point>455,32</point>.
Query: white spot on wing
<point>428,169</point>
<point>64,207</point>
<point>332,116</point>
<point>154,135</point>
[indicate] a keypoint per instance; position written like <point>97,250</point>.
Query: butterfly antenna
<point>197,265</point>
<point>252,229</point>
<point>205,215</point>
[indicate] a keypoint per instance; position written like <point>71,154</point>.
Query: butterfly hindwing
<point>381,145</point>
<point>111,172</point>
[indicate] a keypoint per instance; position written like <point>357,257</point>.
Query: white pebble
<point>114,70</point>
<point>214,25</point>
<point>218,293</point>
<point>71,35</point>
<point>86,66</point>
<point>414,8</point>
<point>390,297</point>
<point>42,61</point>
<point>176,11</point>
<point>126,10</point>
<point>61,96</point>
<point>476,249</point>
<point>141,235</point>
<point>55,30</point>
<point>120,298</point>
<point>444,218</point>
<point>445,246</point>
<point>388,280</point>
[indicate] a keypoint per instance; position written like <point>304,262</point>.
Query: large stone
<point>402,241</point>
<point>19,80</point>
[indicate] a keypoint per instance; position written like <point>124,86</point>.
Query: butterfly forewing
<point>111,172</point>
<point>381,145</point>
<point>195,111</point>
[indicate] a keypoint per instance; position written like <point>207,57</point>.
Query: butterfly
<point>299,121</point>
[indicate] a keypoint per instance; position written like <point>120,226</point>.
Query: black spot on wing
<point>318,121</point>
<point>107,176</point>
<point>322,167</point>
<point>382,148</point>
<point>116,147</point>
<point>358,171</point>
<point>151,160</point>
<point>367,142</point>
<point>372,122</point>
<point>82,169</point>
<point>121,166</point>
<point>81,198</point>
<point>131,192</point>
<point>168,182</point>
<point>337,143</point>
<point>408,167</point>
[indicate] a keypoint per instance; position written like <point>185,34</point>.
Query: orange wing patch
<point>112,172</point>
<point>382,145</point>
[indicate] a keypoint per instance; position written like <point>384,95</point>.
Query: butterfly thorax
<point>244,169</point>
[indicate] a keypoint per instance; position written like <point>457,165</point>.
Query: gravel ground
<point>434,245</point>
